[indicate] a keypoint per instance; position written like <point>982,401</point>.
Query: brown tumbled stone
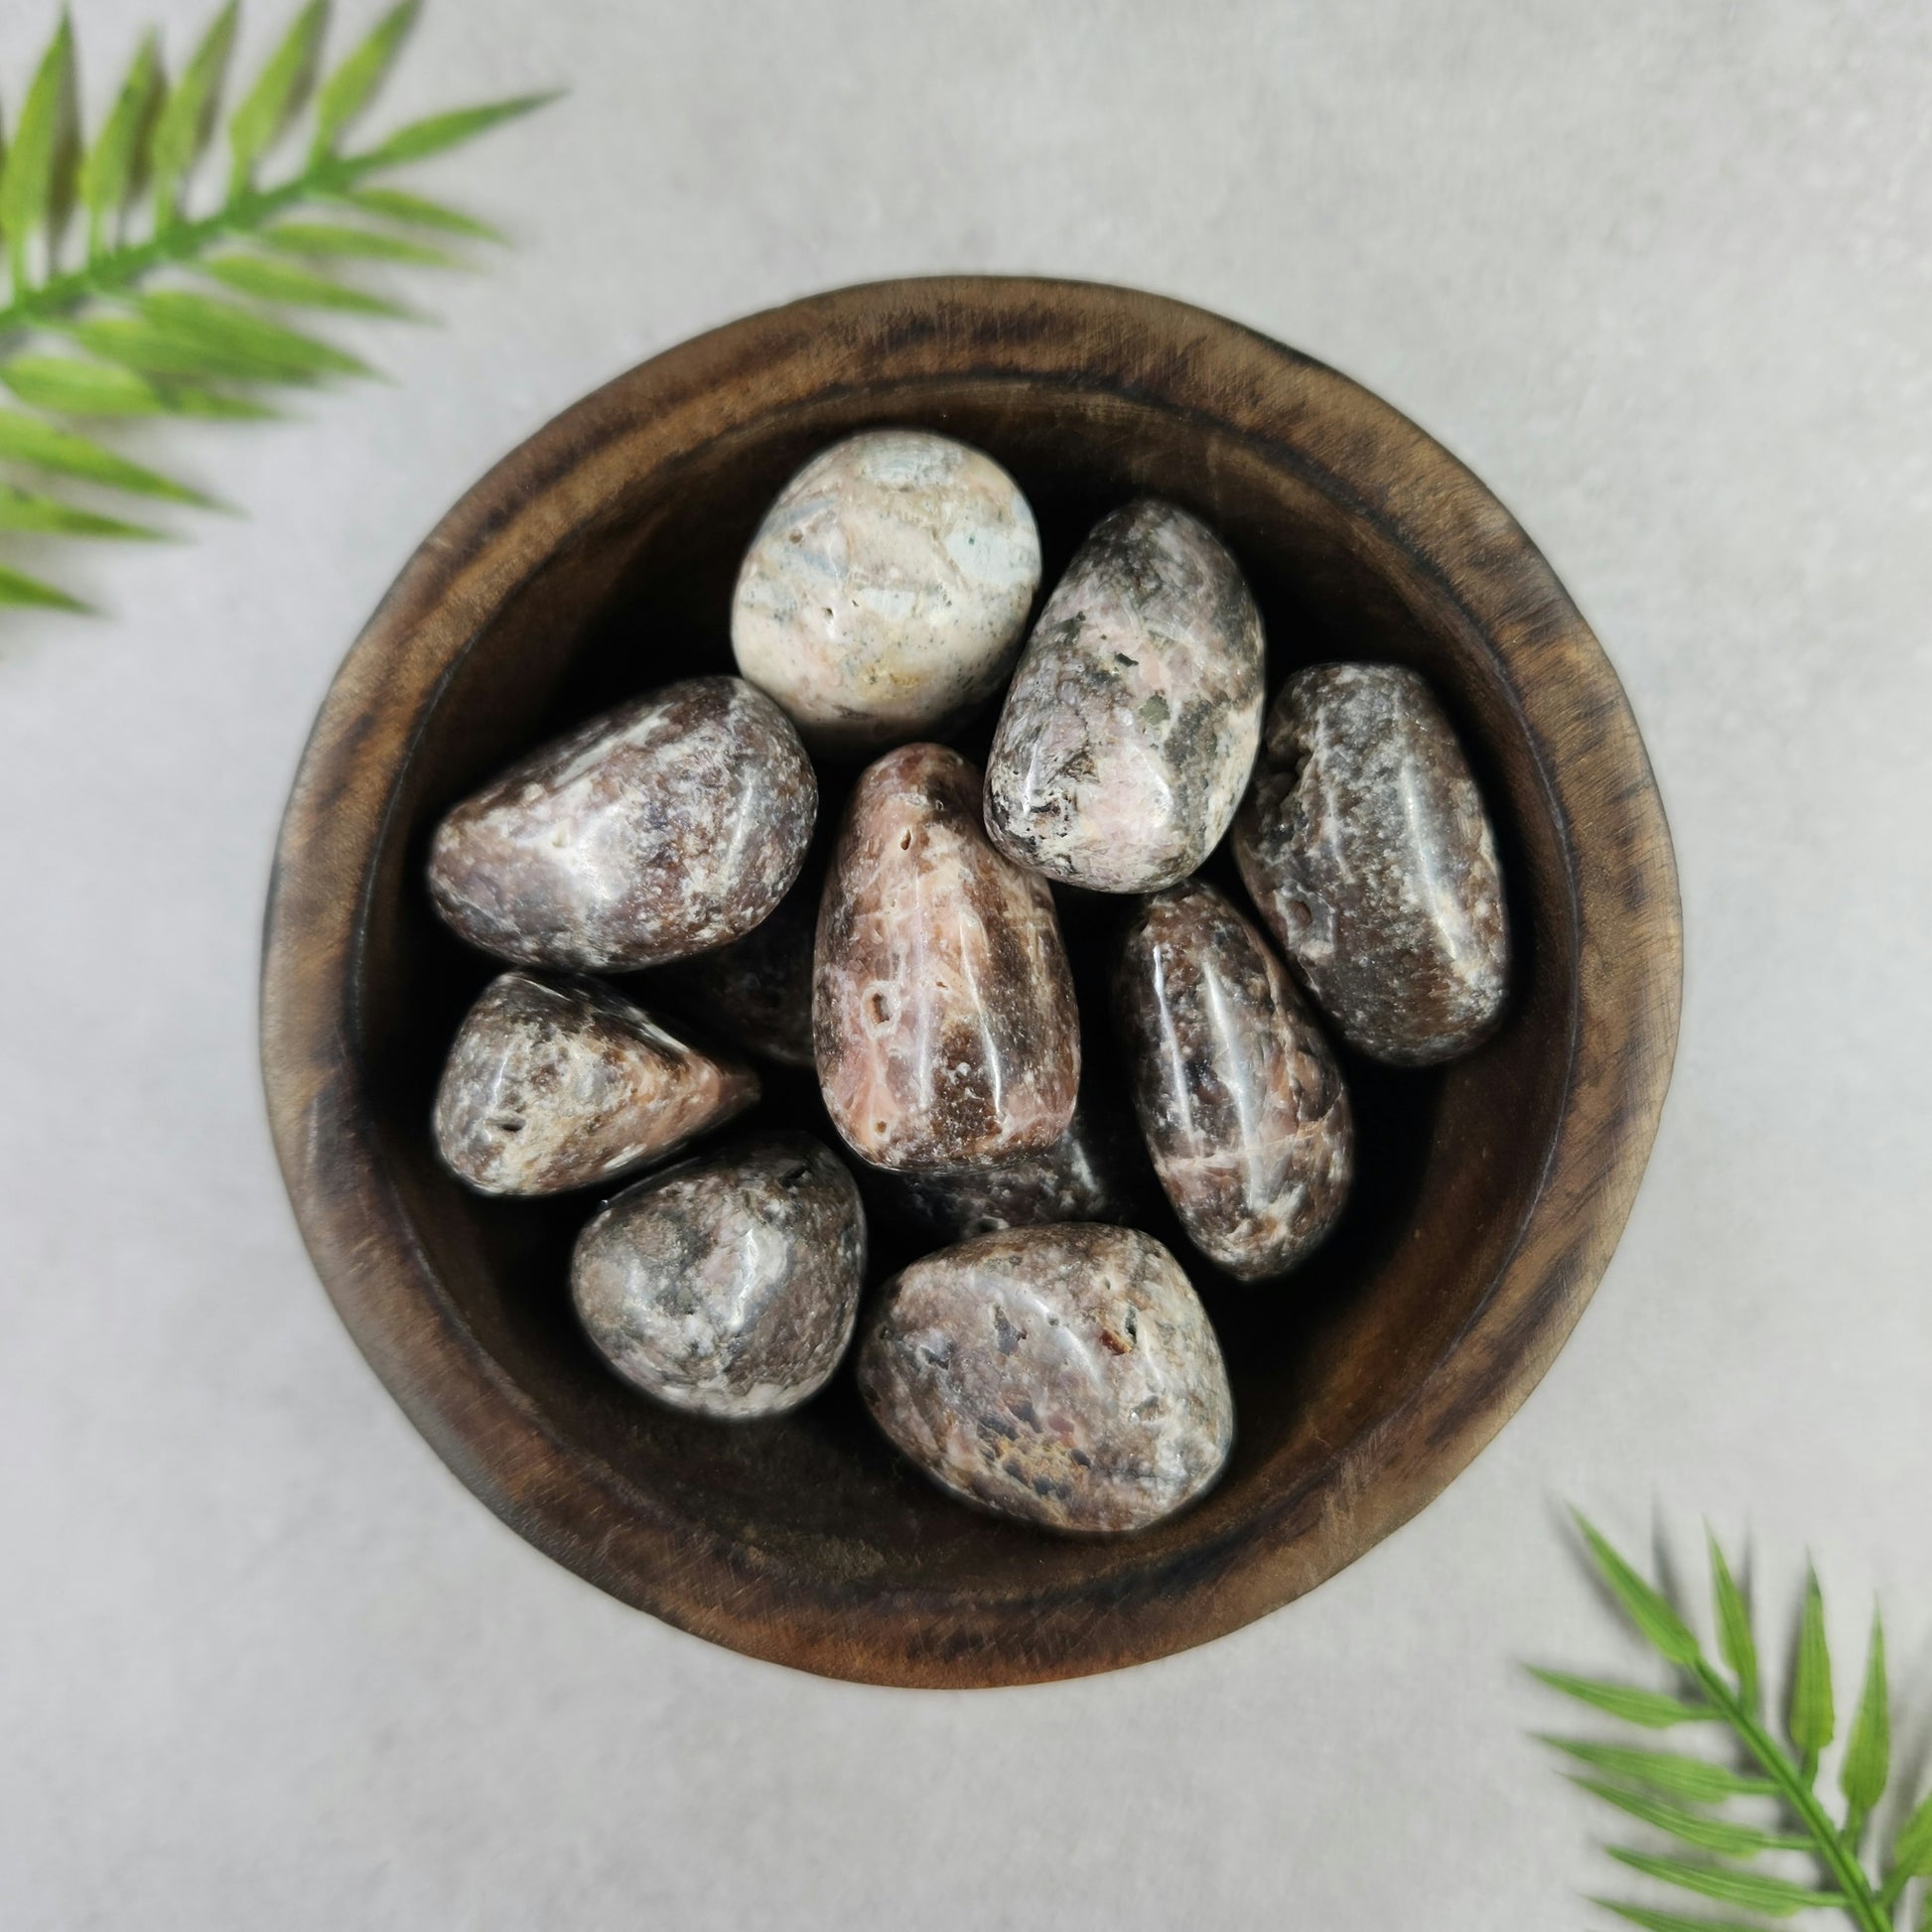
<point>942,1003</point>
<point>1238,1094</point>
<point>550,1087</point>
<point>1067,1376</point>
<point>1366,847</point>
<point>1087,1175</point>
<point>727,1286</point>
<point>1130,722</point>
<point>758,991</point>
<point>671,825</point>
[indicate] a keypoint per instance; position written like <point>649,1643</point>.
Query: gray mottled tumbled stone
<point>1087,1175</point>
<point>942,1003</point>
<point>1132,720</point>
<point>1366,848</point>
<point>727,1286</point>
<point>887,589</point>
<point>1238,1094</point>
<point>553,1086</point>
<point>1065,1375</point>
<point>666,827</point>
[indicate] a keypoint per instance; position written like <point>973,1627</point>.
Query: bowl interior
<point>635,591</point>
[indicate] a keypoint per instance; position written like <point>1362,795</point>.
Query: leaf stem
<point>1864,1906</point>
<point>111,272</point>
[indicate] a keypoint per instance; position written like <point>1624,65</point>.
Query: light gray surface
<point>1659,272</point>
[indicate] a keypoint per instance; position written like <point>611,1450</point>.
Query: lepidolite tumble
<point>1067,1376</point>
<point>666,827</point>
<point>1365,845</point>
<point>886,590</point>
<point>728,1286</point>
<point>1238,1094</point>
<point>942,1005</point>
<point>1132,721</point>
<point>550,1087</point>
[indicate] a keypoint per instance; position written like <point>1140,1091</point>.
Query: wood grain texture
<point>597,561</point>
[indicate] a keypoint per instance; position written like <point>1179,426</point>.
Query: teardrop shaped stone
<point>1238,1094</point>
<point>1067,1376</point>
<point>942,1003</point>
<point>728,1286</point>
<point>1366,848</point>
<point>886,590</point>
<point>1132,720</point>
<point>553,1086</point>
<point>668,826</point>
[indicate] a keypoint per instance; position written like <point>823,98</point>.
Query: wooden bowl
<point>598,560</point>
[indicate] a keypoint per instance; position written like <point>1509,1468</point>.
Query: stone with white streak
<point>1132,721</point>
<point>661,829</point>
<point>1067,1376</point>
<point>554,1086</point>
<point>727,1287</point>
<point>1365,845</point>
<point>942,1005</point>
<point>886,590</point>
<point>1240,1097</point>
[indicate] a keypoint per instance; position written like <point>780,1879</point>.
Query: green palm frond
<point>125,298</point>
<point>1679,1795</point>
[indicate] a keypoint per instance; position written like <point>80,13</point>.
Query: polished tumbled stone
<point>758,991</point>
<point>1067,1376</point>
<point>661,829</point>
<point>1238,1094</point>
<point>728,1286</point>
<point>1087,1175</point>
<point>1132,721</point>
<point>1366,847</point>
<point>550,1087</point>
<point>942,1005</point>
<point>886,590</point>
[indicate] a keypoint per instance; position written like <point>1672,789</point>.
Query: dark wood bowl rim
<point>1591,759</point>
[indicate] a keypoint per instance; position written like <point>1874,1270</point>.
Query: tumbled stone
<point>886,590</point>
<point>550,1087</point>
<point>758,991</point>
<point>1067,1376</point>
<point>727,1286</point>
<point>1365,845</point>
<point>1131,724</point>
<point>1238,1094</point>
<point>668,826</point>
<point>1087,1175</point>
<point>942,1003</point>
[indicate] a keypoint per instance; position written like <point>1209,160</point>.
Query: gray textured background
<point>1660,272</point>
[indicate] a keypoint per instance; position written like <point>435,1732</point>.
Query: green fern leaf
<point>1867,1751</point>
<point>1668,1772</point>
<point>1695,1828</point>
<point>65,386</point>
<point>1811,1720</point>
<point>269,280</point>
<point>332,238</point>
<point>1756,1891</point>
<point>277,95</point>
<point>186,116</point>
<point>25,509</point>
<point>18,589</point>
<point>1734,1638</point>
<point>32,185</point>
<point>25,439</point>
<point>111,174</point>
<point>1672,1921</point>
<point>351,88</point>
<point>1660,1626</point>
<point>1652,1709</point>
<point>435,132</point>
<point>181,334</point>
<point>1911,1852</point>
<point>417,210</point>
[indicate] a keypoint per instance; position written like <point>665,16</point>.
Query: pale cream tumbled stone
<point>886,590</point>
